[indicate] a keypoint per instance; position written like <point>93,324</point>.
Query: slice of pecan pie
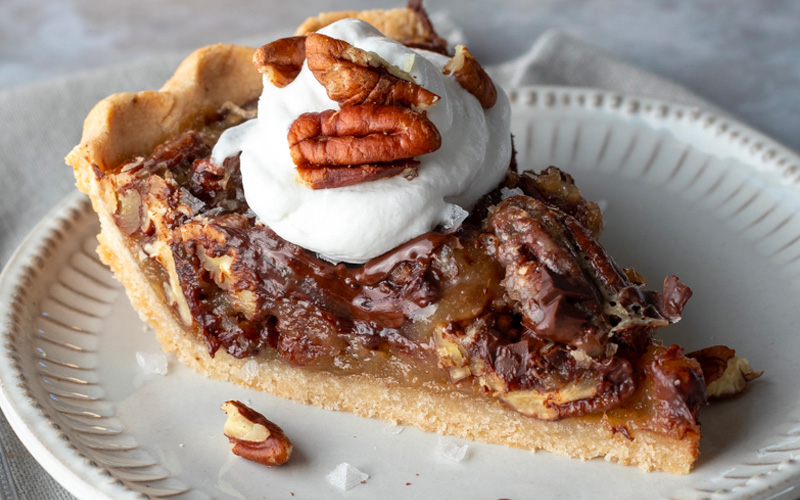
<point>510,326</point>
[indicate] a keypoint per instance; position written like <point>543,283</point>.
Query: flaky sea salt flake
<point>508,193</point>
<point>451,451</point>
<point>424,313</point>
<point>345,476</point>
<point>249,371</point>
<point>454,217</point>
<point>152,363</point>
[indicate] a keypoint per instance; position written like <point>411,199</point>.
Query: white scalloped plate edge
<point>33,426</point>
<point>745,142</point>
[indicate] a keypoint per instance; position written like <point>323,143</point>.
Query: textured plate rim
<point>49,448</point>
<point>758,147</point>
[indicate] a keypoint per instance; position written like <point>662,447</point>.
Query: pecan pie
<point>510,325</point>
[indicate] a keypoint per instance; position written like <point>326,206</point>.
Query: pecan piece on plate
<point>254,437</point>
<point>281,60</point>
<point>726,374</point>
<point>353,76</point>
<point>471,76</point>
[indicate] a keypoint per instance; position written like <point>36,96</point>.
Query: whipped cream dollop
<point>356,223</point>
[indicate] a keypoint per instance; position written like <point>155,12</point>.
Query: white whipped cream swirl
<point>356,223</point>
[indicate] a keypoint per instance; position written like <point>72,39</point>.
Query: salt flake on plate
<point>345,476</point>
<point>451,451</point>
<point>152,363</point>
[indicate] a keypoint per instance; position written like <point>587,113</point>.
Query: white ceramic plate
<point>685,192</point>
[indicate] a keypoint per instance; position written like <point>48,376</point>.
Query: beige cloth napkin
<point>42,122</point>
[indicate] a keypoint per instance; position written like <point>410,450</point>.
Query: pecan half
<point>333,177</point>
<point>471,76</point>
<point>281,60</point>
<point>353,76</point>
<point>557,188</point>
<point>567,288</point>
<point>254,437</point>
<point>384,137</point>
